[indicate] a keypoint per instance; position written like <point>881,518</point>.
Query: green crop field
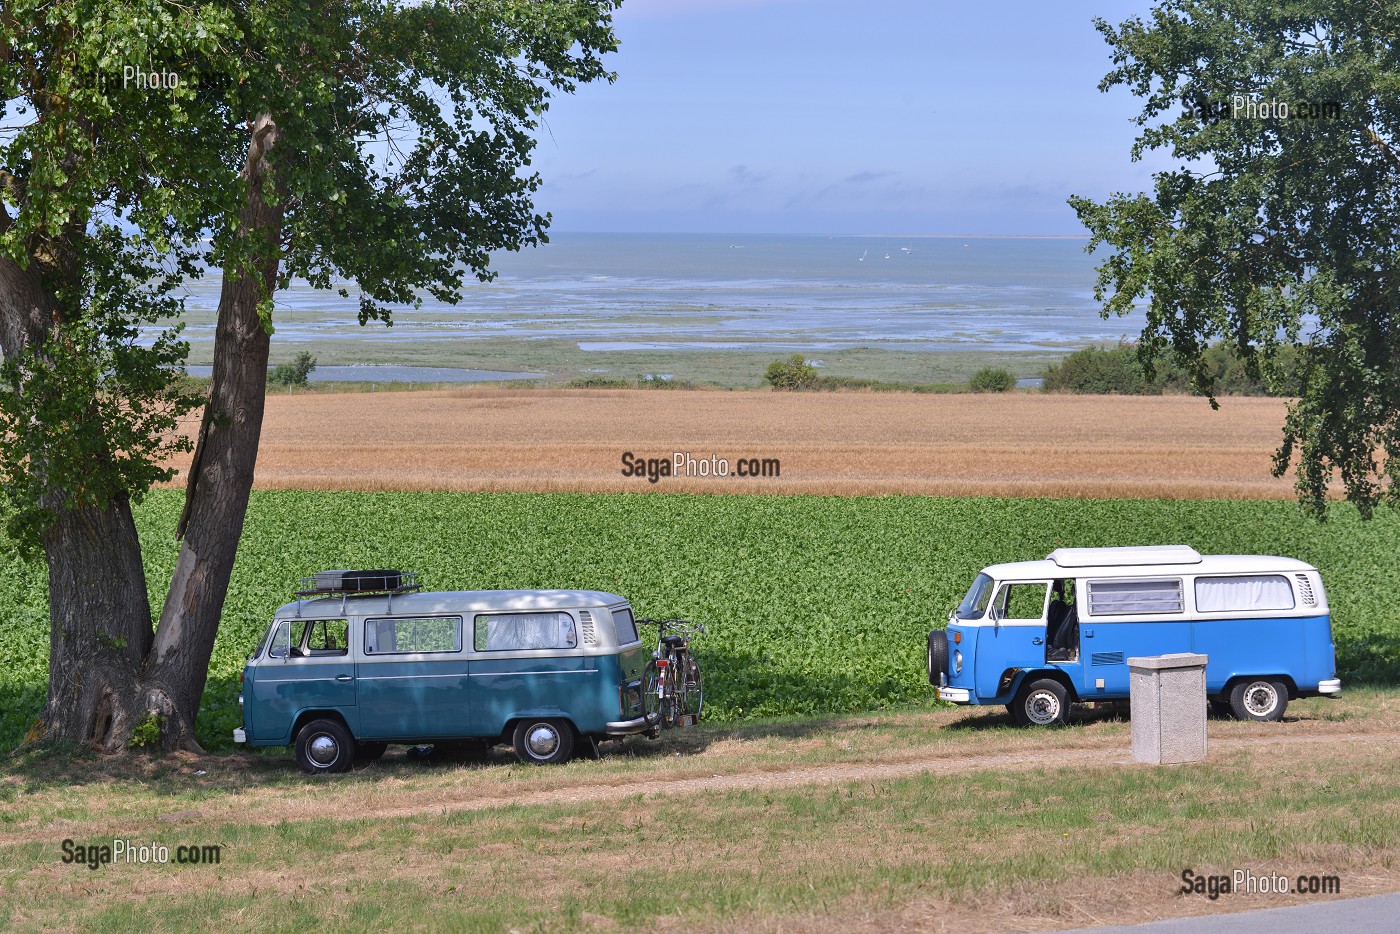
<point>813,604</point>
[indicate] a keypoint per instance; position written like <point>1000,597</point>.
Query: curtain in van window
<point>1122,598</point>
<point>1236,594</point>
<point>515,631</point>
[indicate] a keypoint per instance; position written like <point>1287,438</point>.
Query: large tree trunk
<point>100,627</point>
<point>221,473</point>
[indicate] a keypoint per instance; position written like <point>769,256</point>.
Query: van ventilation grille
<point>1305,589</point>
<point>585,625</point>
<point>1106,658</point>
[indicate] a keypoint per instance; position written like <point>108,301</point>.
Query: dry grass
<point>493,439</point>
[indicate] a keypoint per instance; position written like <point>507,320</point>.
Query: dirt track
<point>265,806</point>
<point>832,443</point>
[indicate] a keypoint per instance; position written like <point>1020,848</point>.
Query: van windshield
<point>974,605</point>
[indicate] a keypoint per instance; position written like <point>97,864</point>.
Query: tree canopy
<point>371,144</point>
<point>1278,227</point>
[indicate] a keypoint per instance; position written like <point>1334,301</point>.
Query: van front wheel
<point>325,746</point>
<point>1259,700</point>
<point>544,742</point>
<point>1041,703</point>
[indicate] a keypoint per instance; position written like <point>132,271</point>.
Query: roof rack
<point>356,583</point>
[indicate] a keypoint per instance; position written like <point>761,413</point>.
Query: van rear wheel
<point>544,742</point>
<point>1041,703</point>
<point>1260,699</point>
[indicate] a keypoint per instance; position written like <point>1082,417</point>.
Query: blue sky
<point>818,116</point>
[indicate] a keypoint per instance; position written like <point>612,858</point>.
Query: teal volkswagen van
<point>1038,636</point>
<point>363,659</point>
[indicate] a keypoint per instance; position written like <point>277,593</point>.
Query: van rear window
<point>513,632</point>
<point>1123,598</point>
<point>1243,594</point>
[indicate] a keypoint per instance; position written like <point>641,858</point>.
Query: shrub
<point>1118,371</point>
<point>295,373</point>
<point>793,373</point>
<point>600,382</point>
<point>992,379</point>
<point>1102,371</point>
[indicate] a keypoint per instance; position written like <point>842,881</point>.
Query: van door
<point>308,667</point>
<point>413,679</point>
<point>1016,636</point>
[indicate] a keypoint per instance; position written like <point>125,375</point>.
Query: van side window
<point>508,632</point>
<point>1022,601</point>
<point>329,637</point>
<point>413,635</point>
<point>1122,598</point>
<point>625,626</point>
<point>1256,592</point>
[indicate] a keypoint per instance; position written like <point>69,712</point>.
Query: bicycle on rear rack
<point>671,685</point>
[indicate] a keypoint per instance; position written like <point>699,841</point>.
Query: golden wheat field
<point>1024,444</point>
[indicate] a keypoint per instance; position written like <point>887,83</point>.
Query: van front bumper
<point>239,736</point>
<point>1333,686</point>
<point>644,724</point>
<point>956,695</point>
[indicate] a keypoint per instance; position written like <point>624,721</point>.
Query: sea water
<point>714,291</point>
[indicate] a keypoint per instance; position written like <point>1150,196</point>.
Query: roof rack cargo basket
<point>327,583</point>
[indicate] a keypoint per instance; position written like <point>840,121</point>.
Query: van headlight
<point>957,663</point>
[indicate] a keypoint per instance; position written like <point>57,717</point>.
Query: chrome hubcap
<point>1043,707</point>
<point>323,749</point>
<point>542,741</point>
<point>1260,699</point>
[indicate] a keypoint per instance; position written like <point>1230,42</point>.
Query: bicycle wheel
<point>692,688</point>
<point>658,696</point>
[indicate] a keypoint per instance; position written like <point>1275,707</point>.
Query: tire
<point>937,657</point>
<point>324,747</point>
<point>1044,702</point>
<point>1259,699</point>
<point>544,742</point>
<point>652,702</point>
<point>365,753</point>
<point>692,687</point>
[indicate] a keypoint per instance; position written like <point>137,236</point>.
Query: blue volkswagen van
<point>364,659</point>
<point>1040,635</point>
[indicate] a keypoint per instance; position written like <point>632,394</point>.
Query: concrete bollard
<point>1167,694</point>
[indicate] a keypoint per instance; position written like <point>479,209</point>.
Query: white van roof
<point>424,603</point>
<point>1145,554</point>
<point>1150,560</point>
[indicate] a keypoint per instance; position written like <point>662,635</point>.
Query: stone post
<point>1167,694</point>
